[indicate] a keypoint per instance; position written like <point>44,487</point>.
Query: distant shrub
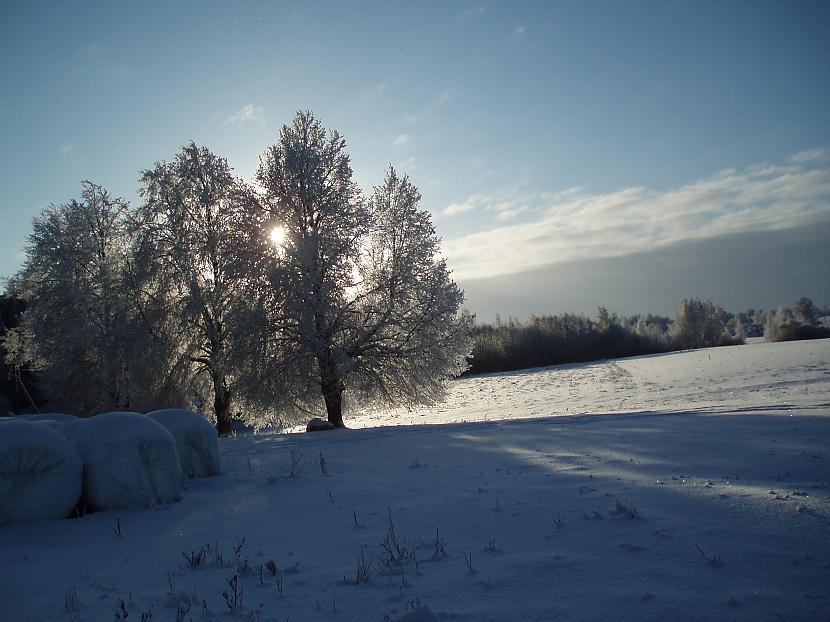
<point>802,322</point>
<point>700,324</point>
<point>566,338</point>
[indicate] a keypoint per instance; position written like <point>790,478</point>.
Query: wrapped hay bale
<point>318,425</point>
<point>128,458</point>
<point>40,473</point>
<point>197,443</point>
<point>61,417</point>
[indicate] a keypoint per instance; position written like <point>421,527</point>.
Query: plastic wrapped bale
<point>40,473</point>
<point>62,417</point>
<point>197,442</point>
<point>318,425</point>
<point>129,460</point>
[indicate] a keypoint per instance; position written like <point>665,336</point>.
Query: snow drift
<point>40,473</point>
<point>197,443</point>
<point>129,459</point>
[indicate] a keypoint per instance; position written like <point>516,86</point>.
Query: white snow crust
<point>197,443</point>
<point>129,459</point>
<point>40,473</point>
<point>683,487</point>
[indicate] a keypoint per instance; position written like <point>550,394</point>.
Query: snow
<point>715,379</point>
<point>40,473</point>
<point>129,460</point>
<point>687,486</point>
<point>197,443</point>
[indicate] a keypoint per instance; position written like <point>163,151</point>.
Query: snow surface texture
<point>707,380</point>
<point>40,473</point>
<point>562,517</point>
<point>129,459</point>
<point>197,443</point>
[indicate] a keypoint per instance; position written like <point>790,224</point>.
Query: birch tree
<point>351,296</point>
<point>184,247</point>
<point>76,322</point>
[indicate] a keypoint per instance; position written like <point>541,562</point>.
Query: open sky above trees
<point>554,143</point>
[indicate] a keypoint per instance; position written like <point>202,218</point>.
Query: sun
<point>277,235</point>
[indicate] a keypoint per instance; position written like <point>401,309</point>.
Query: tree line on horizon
<point>260,301</point>
<point>507,345</point>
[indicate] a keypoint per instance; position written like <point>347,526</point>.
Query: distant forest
<point>569,338</point>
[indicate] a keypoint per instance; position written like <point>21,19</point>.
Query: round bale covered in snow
<point>40,473</point>
<point>62,417</point>
<point>129,459</point>
<point>318,425</point>
<point>197,442</point>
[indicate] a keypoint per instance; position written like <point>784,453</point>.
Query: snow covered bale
<point>197,442</point>
<point>40,473</point>
<point>129,459</point>
<point>319,425</point>
<point>49,417</point>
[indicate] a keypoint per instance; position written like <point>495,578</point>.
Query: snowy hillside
<point>689,486</point>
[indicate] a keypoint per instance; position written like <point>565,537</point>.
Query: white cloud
<point>438,102</point>
<point>248,113</point>
<point>102,61</point>
<point>519,30</point>
<point>473,11</point>
<point>376,91</point>
<point>401,139</point>
<point>408,165</point>
<point>506,206</point>
<point>71,154</point>
<point>811,155</point>
<point>574,225</point>
<point>472,202</point>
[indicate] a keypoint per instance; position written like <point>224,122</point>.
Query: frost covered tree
<point>805,311</point>
<point>698,324</point>
<point>351,295</point>
<point>184,248</point>
<point>75,327</point>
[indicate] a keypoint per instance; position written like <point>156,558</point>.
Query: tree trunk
<point>332,388</point>
<point>222,407</point>
<point>334,406</point>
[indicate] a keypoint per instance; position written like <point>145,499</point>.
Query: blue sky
<point>538,132</point>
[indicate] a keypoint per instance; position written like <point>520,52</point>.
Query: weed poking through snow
<point>439,551</point>
<point>713,560</point>
<point>196,558</point>
<point>623,510</point>
<point>491,547</point>
<point>116,528</point>
<point>72,605</point>
<point>357,525</point>
<point>364,569</point>
<point>233,599</point>
<point>296,466</point>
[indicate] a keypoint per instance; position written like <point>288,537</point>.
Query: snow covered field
<point>690,486</point>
